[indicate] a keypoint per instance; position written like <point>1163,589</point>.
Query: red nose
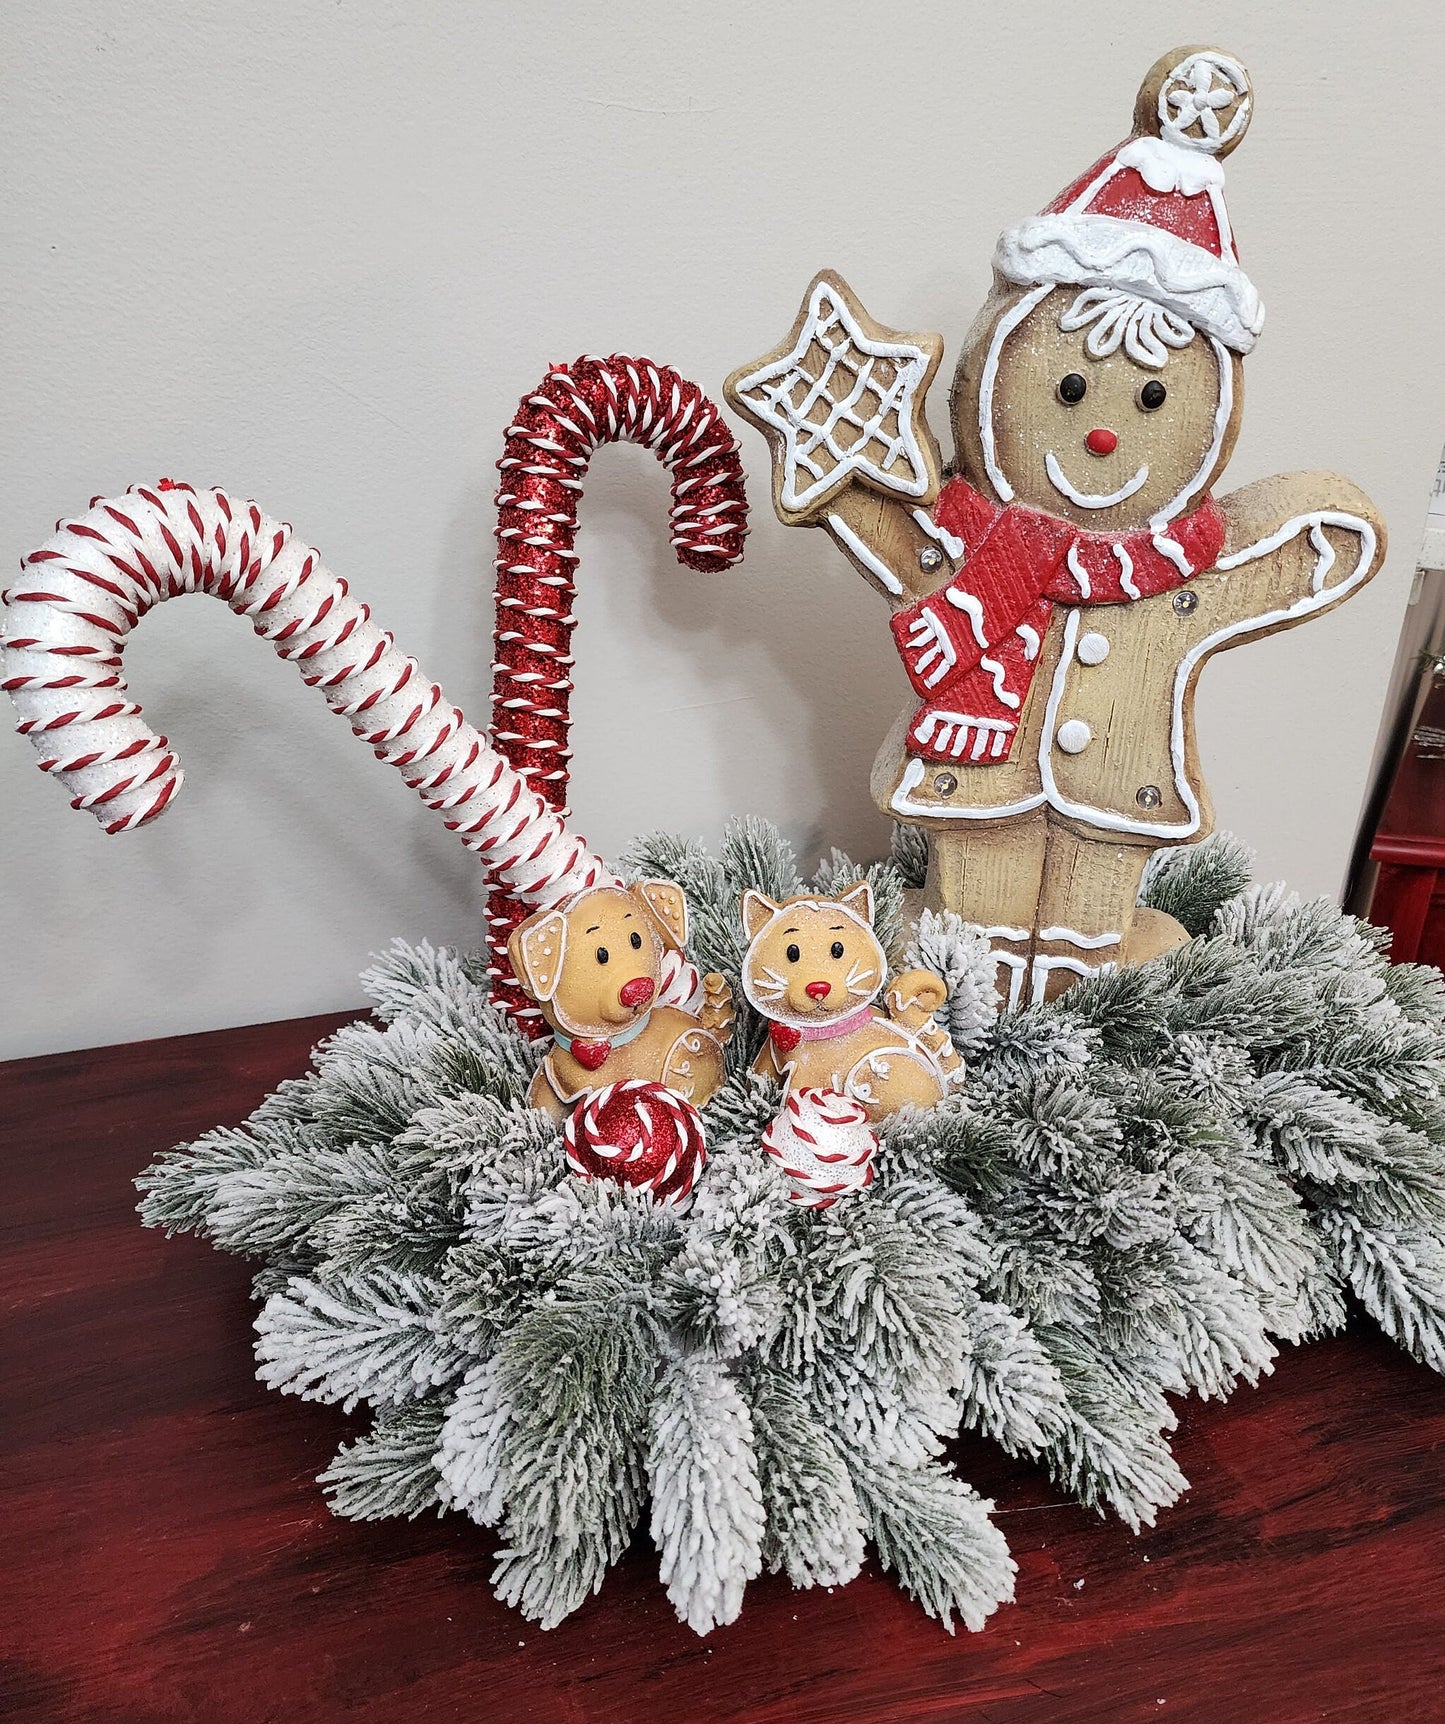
<point>637,992</point>
<point>818,990</point>
<point>1101,441</point>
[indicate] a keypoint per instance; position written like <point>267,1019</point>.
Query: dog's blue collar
<point>620,1040</point>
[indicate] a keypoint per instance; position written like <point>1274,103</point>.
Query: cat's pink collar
<point>841,1027</point>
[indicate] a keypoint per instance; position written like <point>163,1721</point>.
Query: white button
<point>1074,736</point>
<point>1092,648</point>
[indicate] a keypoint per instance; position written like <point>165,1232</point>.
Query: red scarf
<point>971,647</point>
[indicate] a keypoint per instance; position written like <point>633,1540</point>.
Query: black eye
<point>603,954</point>
<point>836,948</point>
<point>793,954</point>
<point>1152,395</point>
<point>636,940</point>
<point>1072,388</point>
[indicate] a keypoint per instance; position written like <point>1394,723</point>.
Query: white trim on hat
<point>1135,257</point>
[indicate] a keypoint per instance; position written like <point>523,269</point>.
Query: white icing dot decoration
<point>1193,96</point>
<point>1074,736</point>
<point>1092,649</point>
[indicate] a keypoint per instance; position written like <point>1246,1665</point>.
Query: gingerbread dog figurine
<point>595,967</point>
<point>813,968</point>
<point>1055,600</point>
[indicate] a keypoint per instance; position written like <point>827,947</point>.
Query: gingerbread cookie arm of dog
<point>1295,546</point>
<point>717,1012</point>
<point>841,401</point>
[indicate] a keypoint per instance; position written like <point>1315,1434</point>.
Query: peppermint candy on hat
<point>1148,219</point>
<point>639,1134</point>
<point>824,1146</point>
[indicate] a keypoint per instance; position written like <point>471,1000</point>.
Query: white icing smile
<point>1090,499</point>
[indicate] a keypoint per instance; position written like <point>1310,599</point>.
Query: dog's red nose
<point>1101,441</point>
<point>818,990</point>
<point>637,992</point>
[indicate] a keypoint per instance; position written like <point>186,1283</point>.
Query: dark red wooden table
<point>167,1555</point>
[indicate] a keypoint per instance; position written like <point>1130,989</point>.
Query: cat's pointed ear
<point>858,899</point>
<point>758,911</point>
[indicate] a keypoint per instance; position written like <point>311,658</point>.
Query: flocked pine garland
<point>1143,1190</point>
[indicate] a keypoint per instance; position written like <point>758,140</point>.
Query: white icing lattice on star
<point>844,403</point>
<point>1194,95</point>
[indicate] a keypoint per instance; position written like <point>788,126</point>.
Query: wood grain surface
<point>167,1555</point>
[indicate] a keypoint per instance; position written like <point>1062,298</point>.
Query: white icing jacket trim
<point>1135,257</point>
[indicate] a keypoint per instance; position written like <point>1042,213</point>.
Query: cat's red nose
<point>1101,441</point>
<point>637,992</point>
<point>818,990</point>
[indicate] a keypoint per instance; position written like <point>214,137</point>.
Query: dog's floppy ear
<point>858,899</point>
<point>666,906</point>
<point>758,911</point>
<point>537,948</point>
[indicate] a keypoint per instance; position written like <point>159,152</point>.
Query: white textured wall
<point>316,252</point>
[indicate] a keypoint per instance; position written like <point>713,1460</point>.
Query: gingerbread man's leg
<point>1088,913</point>
<point>991,872</point>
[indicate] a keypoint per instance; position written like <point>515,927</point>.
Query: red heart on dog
<point>591,1055</point>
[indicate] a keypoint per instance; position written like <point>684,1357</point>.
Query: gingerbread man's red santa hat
<point>1148,220</point>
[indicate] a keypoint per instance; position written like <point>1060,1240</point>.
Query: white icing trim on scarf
<point>1000,691</point>
<point>1126,571</point>
<point>1030,637</point>
<point>1091,499</point>
<point>874,565</point>
<point>972,608</point>
<point>952,731</point>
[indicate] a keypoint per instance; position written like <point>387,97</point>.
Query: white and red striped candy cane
<point>80,595</point>
<point>549,445</point>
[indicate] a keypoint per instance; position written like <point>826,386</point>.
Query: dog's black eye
<point>603,954</point>
<point>1072,388</point>
<point>1152,395</point>
<point>836,948</point>
<point>636,939</point>
<point>793,954</point>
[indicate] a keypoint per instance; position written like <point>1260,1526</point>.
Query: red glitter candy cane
<point>549,444</point>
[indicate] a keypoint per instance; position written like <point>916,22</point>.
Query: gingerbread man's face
<point>1106,410</point>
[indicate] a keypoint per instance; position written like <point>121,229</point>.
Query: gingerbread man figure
<point>1055,599</point>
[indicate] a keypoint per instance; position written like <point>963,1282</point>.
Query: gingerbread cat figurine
<point>813,967</point>
<point>596,966</point>
<point>1057,597</point>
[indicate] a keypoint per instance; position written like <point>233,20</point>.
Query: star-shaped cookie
<point>841,402</point>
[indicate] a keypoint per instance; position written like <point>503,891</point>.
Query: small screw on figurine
<point>1055,601</point>
<point>813,968</point>
<point>596,966</point>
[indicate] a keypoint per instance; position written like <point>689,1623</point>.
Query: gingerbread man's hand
<point>1294,546</point>
<point>717,1006</point>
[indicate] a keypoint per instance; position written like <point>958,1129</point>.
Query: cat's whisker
<point>773,976</point>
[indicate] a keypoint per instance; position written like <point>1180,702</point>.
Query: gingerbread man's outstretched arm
<point>1295,545</point>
